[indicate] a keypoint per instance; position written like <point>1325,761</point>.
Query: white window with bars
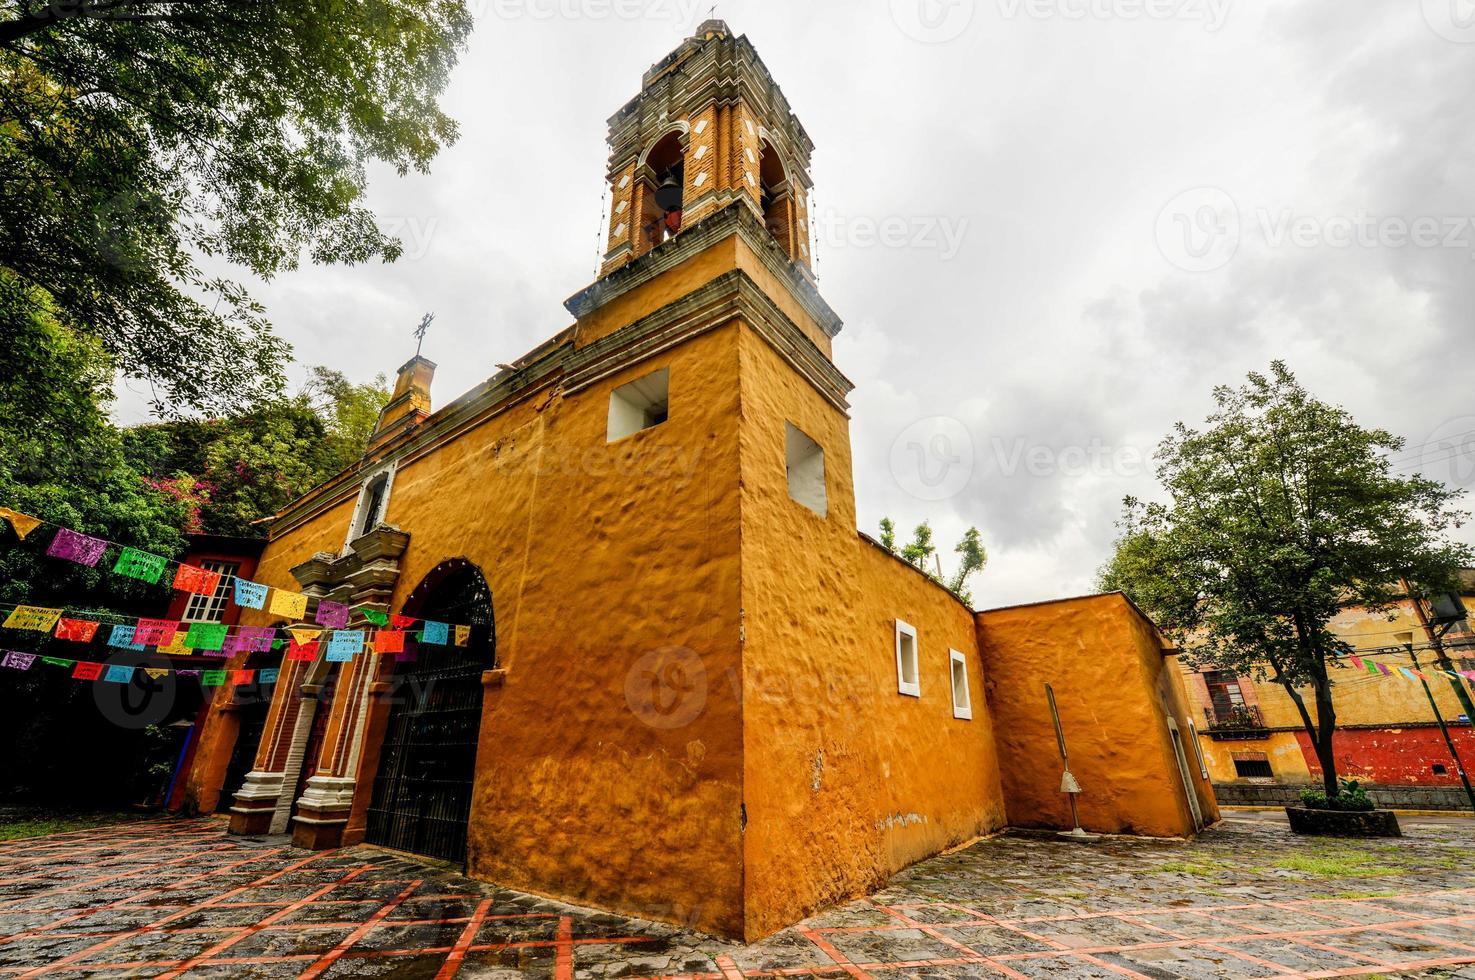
<point>211,608</point>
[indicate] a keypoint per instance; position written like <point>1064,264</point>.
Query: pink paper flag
<point>333,615</point>
<point>1357,662</point>
<point>155,632</point>
<point>76,547</point>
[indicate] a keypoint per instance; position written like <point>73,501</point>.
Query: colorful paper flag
<point>307,652</point>
<point>177,647</point>
<point>239,677</point>
<point>189,672</point>
<point>292,605</point>
<point>122,636</point>
<point>344,645</point>
<point>304,634</point>
<point>333,615</point>
<point>433,632</point>
<point>118,674</point>
<point>250,595</point>
<point>23,523</point>
<point>389,641</point>
<point>76,630</point>
<point>80,548</point>
<point>1357,662</point>
<point>16,660</point>
<point>463,635</point>
<point>87,671</point>
<point>268,676</point>
<point>1385,671</point>
<point>1407,673</point>
<point>152,632</point>
<point>57,661</point>
<point>156,673</point>
<point>200,581</point>
<point>141,565</point>
<point>375,616</point>
<point>32,618</point>
<point>1373,669</point>
<point>257,639</point>
<point>206,636</point>
<point>402,622</point>
<point>212,678</point>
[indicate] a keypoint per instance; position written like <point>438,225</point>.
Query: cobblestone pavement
<point>180,898</point>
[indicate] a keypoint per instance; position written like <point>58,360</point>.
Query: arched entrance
<point>422,793</point>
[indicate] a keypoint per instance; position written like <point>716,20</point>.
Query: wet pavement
<point>180,898</point>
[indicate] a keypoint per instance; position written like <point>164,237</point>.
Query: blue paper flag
<point>435,633</point>
<point>251,595</point>
<point>118,674</point>
<point>122,636</point>
<point>343,645</point>
<point>268,676</point>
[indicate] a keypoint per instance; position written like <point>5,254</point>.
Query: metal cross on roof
<point>425,323</point>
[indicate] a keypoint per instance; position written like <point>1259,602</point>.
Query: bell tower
<point>710,127</point>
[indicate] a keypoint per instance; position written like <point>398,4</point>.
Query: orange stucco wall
<point>845,780</point>
<point>1115,691</point>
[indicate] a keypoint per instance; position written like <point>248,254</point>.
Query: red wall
<point>1403,755</point>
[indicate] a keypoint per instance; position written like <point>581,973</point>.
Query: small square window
<point>806,463</point>
<point>639,405</point>
<point>211,608</point>
<point>908,678</point>
<point>962,700</point>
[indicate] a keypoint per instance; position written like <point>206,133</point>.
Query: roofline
<point>1169,647</point>
<point>898,558</point>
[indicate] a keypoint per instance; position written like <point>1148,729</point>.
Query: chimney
<point>410,403</point>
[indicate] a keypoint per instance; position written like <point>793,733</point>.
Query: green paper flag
<point>377,618</point>
<point>141,565</point>
<point>206,636</point>
<point>212,678</point>
<point>1373,669</point>
<point>57,662</point>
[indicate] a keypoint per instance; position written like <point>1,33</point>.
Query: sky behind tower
<point>1051,227</point>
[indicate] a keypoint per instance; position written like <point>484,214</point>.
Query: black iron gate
<point>422,794</point>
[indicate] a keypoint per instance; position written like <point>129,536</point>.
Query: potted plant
<point>1350,813</point>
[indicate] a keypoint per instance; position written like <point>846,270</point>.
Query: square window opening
<point>908,677</point>
<point>1253,768</point>
<point>962,701</point>
<point>211,608</point>
<point>642,404</point>
<point>806,465</point>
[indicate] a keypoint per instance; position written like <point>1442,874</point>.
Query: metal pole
<point>1441,657</point>
<point>1443,728</point>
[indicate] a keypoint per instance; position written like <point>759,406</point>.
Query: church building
<point>691,690</point>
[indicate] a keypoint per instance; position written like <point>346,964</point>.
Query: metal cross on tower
<point>425,323</point>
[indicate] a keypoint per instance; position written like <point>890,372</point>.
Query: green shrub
<point>1352,798</point>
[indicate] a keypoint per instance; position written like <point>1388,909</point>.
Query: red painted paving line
<point>468,935</point>
<point>330,957</point>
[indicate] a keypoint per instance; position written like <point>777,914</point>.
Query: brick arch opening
<point>776,198</point>
<point>663,161</point>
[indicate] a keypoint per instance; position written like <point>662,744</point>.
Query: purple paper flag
<point>333,615</point>
<point>256,639</point>
<point>77,547</point>
<point>16,660</point>
<point>187,673</point>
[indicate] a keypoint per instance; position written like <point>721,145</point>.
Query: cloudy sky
<point>1051,226</point>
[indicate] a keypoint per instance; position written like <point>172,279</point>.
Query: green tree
<point>1280,512</point>
<point>972,556</point>
<point>136,135</point>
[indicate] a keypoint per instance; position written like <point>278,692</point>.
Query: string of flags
<point>1408,673</point>
<point>85,670</point>
<point>329,626</point>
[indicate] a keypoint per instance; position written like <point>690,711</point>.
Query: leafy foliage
<point>1352,797</point>
<point>1281,511</point>
<point>920,551</point>
<point>136,135</point>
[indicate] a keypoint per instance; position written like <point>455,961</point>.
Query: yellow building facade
<point>691,690</point>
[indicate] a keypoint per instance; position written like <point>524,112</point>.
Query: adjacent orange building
<point>692,690</point>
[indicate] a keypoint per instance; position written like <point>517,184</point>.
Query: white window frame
<point>387,472</point>
<point>954,661</point>
<point>211,608</point>
<point>1198,750</point>
<point>914,689</point>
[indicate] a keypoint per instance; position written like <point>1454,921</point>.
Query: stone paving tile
<point>1246,900</point>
